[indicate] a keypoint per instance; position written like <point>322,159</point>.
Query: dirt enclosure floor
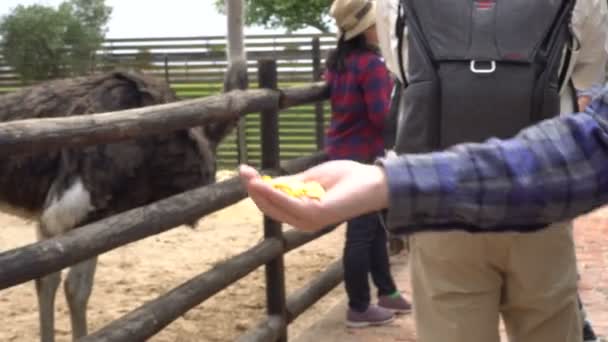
<point>129,276</point>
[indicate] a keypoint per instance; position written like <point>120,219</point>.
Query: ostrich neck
<point>236,48</point>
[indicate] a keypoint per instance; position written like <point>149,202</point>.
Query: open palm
<point>351,189</point>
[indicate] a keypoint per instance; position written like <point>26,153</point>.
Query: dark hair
<point>337,57</point>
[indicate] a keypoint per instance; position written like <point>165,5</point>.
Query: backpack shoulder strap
<point>390,123</point>
<point>399,28</point>
<point>569,60</point>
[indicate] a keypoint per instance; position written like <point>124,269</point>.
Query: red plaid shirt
<point>360,100</point>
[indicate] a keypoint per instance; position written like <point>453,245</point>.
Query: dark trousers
<point>365,251</point>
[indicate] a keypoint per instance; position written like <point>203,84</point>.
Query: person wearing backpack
<point>360,86</point>
<point>473,70</point>
<point>554,170</point>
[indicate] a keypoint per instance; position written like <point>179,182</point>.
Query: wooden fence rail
<point>297,304</point>
<point>27,136</point>
<point>47,256</point>
<point>195,66</point>
<point>151,317</point>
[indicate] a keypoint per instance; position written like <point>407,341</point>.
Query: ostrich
<point>236,76</point>
<point>75,186</point>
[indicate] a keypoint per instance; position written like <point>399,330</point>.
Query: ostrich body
<point>75,186</point>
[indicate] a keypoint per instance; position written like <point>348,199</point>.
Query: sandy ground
<point>133,274</point>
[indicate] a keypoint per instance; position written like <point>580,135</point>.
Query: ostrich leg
<point>78,287</point>
<point>68,203</point>
<point>46,288</point>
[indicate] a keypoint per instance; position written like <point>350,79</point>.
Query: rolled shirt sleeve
<point>555,170</point>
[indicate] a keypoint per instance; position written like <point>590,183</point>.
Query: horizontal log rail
<point>153,316</point>
<point>295,238</point>
<point>34,135</point>
<point>296,96</point>
<point>38,259</point>
<point>309,294</point>
<point>297,303</point>
<point>303,163</point>
<point>47,256</point>
<point>268,330</point>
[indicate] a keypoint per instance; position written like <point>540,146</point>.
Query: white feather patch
<point>67,210</point>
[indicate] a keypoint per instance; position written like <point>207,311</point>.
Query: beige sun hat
<point>353,16</point>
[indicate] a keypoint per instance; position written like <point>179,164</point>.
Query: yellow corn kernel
<point>314,190</point>
<point>296,189</point>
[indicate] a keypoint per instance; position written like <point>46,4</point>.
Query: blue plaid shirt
<point>552,171</point>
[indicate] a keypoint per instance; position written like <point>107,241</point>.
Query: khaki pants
<point>461,283</point>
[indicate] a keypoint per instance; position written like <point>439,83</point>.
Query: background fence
<point>195,67</point>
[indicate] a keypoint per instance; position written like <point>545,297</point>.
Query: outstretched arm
<point>555,170</point>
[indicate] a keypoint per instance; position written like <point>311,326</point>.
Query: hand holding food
<point>325,194</point>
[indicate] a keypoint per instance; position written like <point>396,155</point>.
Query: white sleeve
<point>589,23</point>
<point>386,19</point>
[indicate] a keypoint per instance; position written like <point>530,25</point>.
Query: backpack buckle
<point>477,70</point>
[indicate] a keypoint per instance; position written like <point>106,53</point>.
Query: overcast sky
<point>160,18</point>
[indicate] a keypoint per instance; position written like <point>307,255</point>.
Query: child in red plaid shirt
<point>360,89</point>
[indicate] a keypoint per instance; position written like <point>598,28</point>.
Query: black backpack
<point>479,68</point>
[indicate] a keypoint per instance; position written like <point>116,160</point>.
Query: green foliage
<point>289,14</point>
<point>41,42</point>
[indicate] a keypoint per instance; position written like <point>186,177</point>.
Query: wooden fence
<point>44,257</point>
<point>195,67</point>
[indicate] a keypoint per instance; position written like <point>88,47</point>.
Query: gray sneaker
<point>374,315</point>
<point>588,333</point>
<point>398,305</point>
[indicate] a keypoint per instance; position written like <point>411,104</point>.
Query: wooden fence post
<point>275,273</point>
<point>166,59</point>
<point>316,75</point>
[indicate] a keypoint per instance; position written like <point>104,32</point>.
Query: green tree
<point>41,42</point>
<point>289,14</point>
